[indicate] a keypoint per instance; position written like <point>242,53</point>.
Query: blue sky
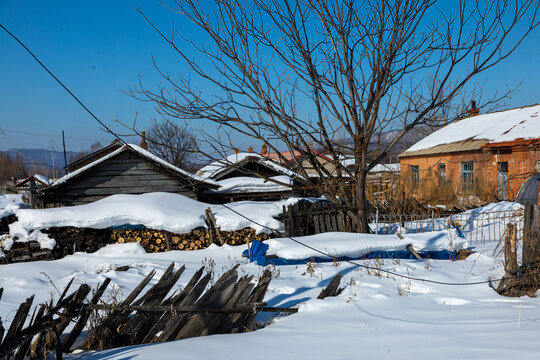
<point>100,48</point>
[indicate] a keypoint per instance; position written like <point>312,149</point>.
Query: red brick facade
<point>520,158</point>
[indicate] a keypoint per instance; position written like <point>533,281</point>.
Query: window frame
<point>414,171</point>
<point>442,171</point>
<point>467,175</point>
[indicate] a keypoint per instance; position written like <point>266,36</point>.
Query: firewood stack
<point>159,240</point>
<point>72,239</point>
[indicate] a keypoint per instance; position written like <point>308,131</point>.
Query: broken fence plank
<point>217,295</point>
<point>19,319</point>
<point>175,323</point>
<point>134,330</point>
<point>414,252</point>
<point>174,300</point>
<point>332,289</point>
<point>222,323</point>
<point>83,319</point>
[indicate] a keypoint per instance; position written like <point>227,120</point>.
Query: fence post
<point>510,254</point>
<point>531,234</point>
<point>377,221</point>
<point>432,220</point>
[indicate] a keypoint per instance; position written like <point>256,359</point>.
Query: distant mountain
<point>42,158</point>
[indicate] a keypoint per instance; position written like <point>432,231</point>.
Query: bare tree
<point>93,148</point>
<point>172,142</point>
<point>303,71</point>
<point>11,167</point>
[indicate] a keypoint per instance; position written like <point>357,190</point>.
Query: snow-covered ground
<point>378,315</point>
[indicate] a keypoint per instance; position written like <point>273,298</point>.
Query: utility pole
<point>64,143</point>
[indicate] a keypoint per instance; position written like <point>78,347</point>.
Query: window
<point>442,171</point>
<point>467,175</point>
<point>414,177</point>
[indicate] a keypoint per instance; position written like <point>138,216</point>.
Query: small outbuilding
<point>250,176</point>
<point>121,169</point>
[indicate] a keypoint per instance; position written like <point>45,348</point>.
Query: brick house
<point>485,156</point>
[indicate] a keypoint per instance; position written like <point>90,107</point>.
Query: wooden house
<point>121,169</point>
<point>250,176</point>
<point>489,156</point>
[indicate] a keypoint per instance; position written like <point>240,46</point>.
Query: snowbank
<point>160,211</point>
<point>9,203</point>
<point>353,245</point>
<point>499,206</point>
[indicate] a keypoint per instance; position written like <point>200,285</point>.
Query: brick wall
<point>522,163</point>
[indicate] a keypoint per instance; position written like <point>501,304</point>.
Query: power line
<point>65,88</point>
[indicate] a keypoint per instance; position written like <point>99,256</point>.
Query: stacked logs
<point>159,240</point>
<point>72,239</point>
<point>26,251</point>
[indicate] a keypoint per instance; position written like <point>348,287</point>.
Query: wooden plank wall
<point>126,173</point>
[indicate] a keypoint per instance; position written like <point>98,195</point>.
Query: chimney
<point>473,111</point>
<point>264,150</point>
<point>143,144</point>
<point>236,151</point>
<point>250,149</point>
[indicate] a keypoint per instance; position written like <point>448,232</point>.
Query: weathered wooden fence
<point>309,218</point>
<point>522,279</point>
<point>230,305</point>
<point>303,219</point>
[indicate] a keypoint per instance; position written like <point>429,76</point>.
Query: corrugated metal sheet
<point>458,146</point>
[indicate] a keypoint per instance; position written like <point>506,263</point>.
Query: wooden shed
<point>250,176</point>
<point>125,169</point>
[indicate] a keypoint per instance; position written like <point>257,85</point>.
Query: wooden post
<point>249,250</point>
<point>292,229</point>
<point>510,255</point>
<point>212,226</point>
<point>414,252</point>
<point>531,234</point>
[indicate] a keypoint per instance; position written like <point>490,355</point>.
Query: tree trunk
<point>361,204</point>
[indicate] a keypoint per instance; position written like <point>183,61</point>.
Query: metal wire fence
<point>477,227</point>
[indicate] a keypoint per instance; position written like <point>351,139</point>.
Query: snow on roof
<point>386,168</point>
<point>39,178</point>
<point>245,184</point>
<point>508,125</point>
<point>42,179</point>
<point>144,153</point>
<point>218,166</point>
<point>349,162</point>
